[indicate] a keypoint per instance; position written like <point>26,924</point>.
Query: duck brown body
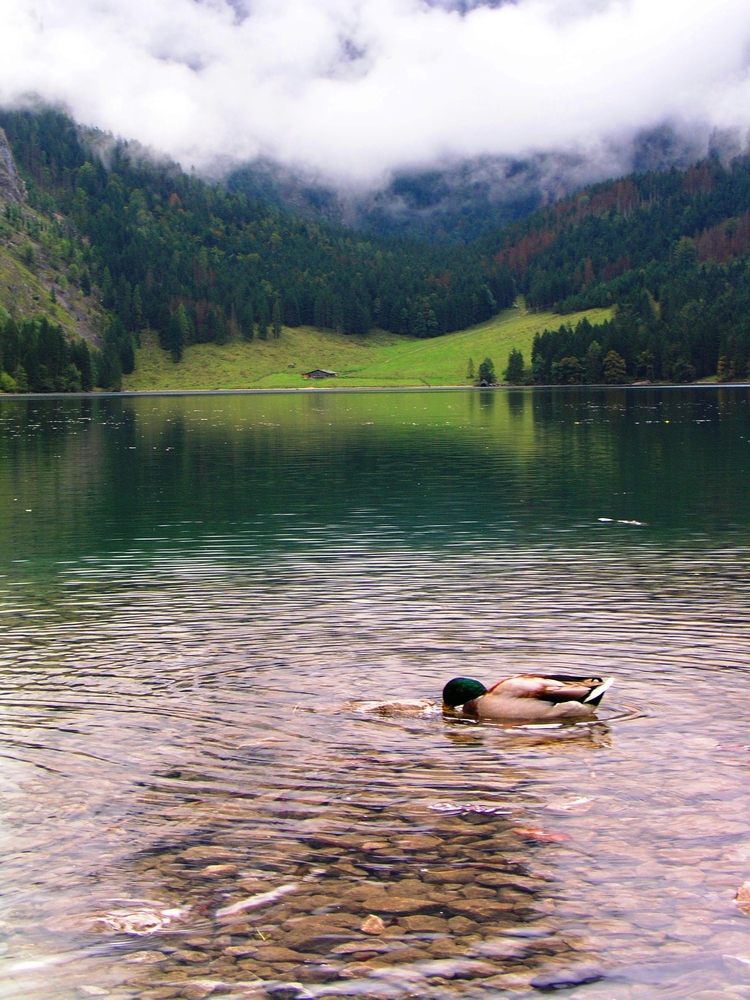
<point>527,697</point>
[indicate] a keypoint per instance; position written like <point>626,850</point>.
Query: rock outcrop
<point>12,188</point>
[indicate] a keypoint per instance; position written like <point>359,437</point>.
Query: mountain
<point>49,322</point>
<point>462,201</point>
<point>670,249</point>
<point>453,205</point>
<point>99,241</point>
<point>195,263</point>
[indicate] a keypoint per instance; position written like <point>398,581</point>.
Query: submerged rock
<point>139,920</point>
<point>373,925</point>
<point>743,898</point>
<point>392,904</point>
<point>208,852</point>
<point>287,991</point>
<point>405,706</point>
<point>560,979</point>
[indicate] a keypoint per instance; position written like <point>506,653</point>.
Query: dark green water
<point>195,594</point>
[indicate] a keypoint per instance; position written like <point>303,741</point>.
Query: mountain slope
<point>586,241</point>
<point>182,257</point>
<point>48,320</point>
<point>166,252</point>
<point>671,250</point>
<point>459,202</point>
<point>40,261</point>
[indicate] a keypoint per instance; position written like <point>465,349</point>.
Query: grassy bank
<point>379,359</point>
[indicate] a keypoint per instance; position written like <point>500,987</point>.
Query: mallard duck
<point>527,697</point>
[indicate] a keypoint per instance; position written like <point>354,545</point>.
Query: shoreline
<point>309,390</point>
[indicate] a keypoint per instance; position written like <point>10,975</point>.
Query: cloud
<point>354,89</point>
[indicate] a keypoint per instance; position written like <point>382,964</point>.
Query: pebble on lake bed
<point>540,836</point>
<point>743,897</point>
<point>139,921</point>
<point>373,925</point>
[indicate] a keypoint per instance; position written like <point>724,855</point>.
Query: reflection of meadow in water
<point>195,593</point>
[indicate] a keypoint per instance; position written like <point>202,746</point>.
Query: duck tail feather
<point>596,695</point>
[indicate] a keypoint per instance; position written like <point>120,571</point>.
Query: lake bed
<point>197,594</point>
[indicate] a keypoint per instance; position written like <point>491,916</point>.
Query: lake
<point>199,595</point>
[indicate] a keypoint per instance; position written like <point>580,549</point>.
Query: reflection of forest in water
<point>530,460</point>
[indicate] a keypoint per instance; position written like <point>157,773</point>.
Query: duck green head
<point>462,689</point>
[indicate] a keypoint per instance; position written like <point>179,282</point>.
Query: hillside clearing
<point>379,359</point>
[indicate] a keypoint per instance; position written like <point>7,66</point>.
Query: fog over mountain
<point>457,202</point>
<point>353,91</point>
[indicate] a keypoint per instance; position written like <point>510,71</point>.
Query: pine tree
<point>514,373</point>
<point>109,374</point>
<point>486,374</point>
<point>276,318</point>
<point>21,378</point>
<point>724,369</point>
<point>263,318</point>
<point>247,321</point>
<point>615,372</point>
<point>592,365</point>
<point>177,332</point>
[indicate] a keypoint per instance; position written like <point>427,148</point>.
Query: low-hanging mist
<point>355,90</point>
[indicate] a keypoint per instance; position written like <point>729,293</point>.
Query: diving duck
<point>527,697</point>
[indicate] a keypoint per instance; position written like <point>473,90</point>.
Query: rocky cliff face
<point>12,187</point>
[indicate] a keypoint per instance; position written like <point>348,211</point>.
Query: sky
<point>356,89</point>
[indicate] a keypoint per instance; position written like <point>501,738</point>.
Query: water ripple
<point>184,663</point>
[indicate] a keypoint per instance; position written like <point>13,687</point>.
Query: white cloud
<point>356,88</point>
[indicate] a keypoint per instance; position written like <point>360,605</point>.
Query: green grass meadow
<point>376,360</point>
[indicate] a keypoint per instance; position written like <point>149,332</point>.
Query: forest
<point>36,356</point>
<point>162,249</point>
<point>195,263</point>
<point>670,250</point>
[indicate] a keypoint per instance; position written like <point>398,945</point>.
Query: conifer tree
<point>276,318</point>
<point>514,373</point>
<point>615,372</point>
<point>486,375</point>
<point>178,333</point>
